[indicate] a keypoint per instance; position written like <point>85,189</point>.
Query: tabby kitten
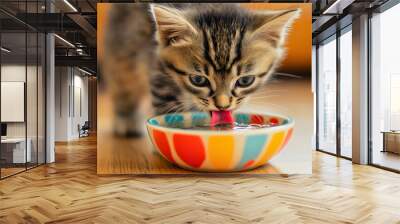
<point>205,57</point>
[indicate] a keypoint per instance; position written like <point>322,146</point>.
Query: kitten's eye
<point>199,80</point>
<point>245,81</point>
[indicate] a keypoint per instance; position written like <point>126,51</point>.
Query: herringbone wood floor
<point>69,191</point>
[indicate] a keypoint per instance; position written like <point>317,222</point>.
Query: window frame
<point>27,29</point>
<point>339,32</point>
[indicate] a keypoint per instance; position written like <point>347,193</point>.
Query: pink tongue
<point>221,117</point>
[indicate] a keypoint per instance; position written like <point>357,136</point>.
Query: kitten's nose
<point>222,102</point>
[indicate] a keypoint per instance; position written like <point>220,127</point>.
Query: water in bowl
<point>228,126</point>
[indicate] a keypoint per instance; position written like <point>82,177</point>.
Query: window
<point>346,75</point>
<point>394,102</point>
<point>327,96</point>
<point>385,89</point>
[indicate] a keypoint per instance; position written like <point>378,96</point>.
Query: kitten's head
<point>220,55</point>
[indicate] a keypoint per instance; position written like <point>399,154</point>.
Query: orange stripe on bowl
<point>220,151</point>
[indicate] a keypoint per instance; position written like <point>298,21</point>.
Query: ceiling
<point>76,22</point>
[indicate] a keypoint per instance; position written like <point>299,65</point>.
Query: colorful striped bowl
<point>218,151</point>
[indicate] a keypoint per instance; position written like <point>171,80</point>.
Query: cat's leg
<point>128,59</point>
<point>128,85</point>
<point>128,122</point>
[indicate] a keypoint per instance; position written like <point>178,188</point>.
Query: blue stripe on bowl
<point>174,120</point>
<point>199,118</point>
<point>253,147</point>
<point>242,118</point>
<point>153,121</point>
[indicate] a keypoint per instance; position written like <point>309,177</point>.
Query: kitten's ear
<point>173,29</point>
<point>272,26</point>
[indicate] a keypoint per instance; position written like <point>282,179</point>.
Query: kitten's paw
<point>128,127</point>
<point>129,134</point>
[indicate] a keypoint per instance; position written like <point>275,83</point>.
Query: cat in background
<point>205,57</point>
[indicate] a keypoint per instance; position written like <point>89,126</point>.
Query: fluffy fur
<point>191,56</point>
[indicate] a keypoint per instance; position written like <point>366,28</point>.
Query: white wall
<point>61,103</point>
<point>16,73</point>
<point>71,94</point>
<point>80,109</point>
<point>13,72</point>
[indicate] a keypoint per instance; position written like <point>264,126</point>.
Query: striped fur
<point>222,43</point>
